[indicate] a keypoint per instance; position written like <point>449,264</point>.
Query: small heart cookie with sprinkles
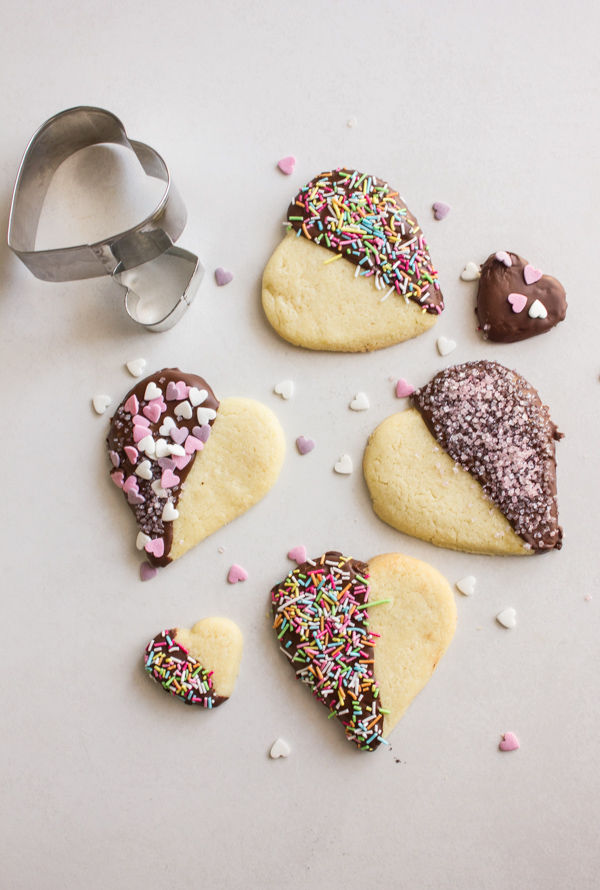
<point>471,466</point>
<point>353,272</point>
<point>515,300</point>
<point>188,464</point>
<point>365,637</point>
<point>198,666</point>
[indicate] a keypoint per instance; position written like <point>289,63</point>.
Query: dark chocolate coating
<point>497,320</point>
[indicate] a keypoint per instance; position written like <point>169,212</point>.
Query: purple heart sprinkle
<point>114,458</point>
<point>147,572</point>
<point>222,277</point>
<point>440,210</point>
<point>202,432</point>
<point>135,499</point>
<point>179,434</point>
<point>166,463</point>
<point>172,391</point>
<point>304,445</point>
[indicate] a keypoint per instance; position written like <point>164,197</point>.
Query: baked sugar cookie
<point>188,464</point>
<point>365,637</point>
<point>515,300</point>
<point>353,272</point>
<point>471,466</point>
<point>199,666</point>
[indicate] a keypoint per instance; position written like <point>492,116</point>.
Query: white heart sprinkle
<point>204,415</point>
<point>141,540</point>
<point>507,618</point>
<point>136,366</point>
<point>147,446</point>
<point>158,491</point>
<point>344,465</point>
<point>279,748</point>
<point>285,389</point>
<point>197,396</point>
<point>537,310</point>
<point>360,402</point>
<point>168,424</point>
<point>177,450</point>
<point>162,448</point>
<point>152,392</point>
<point>445,346</point>
<point>184,409</point>
<point>169,513</point>
<point>144,470</point>
<point>466,585</point>
<point>471,272</point>
<point>101,403</point>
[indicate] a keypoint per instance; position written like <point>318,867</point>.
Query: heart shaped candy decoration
<point>508,286</point>
<point>365,666</point>
<point>205,482</point>
<point>198,666</point>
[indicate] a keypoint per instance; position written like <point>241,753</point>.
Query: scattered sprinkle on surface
<point>440,210</point>
<point>344,465</point>
<point>360,402</point>
<point>507,618</point>
<point>237,573</point>
<point>100,403</point>
<point>509,742</point>
<point>223,277</point>
<point>279,748</point>
<point>287,164</point>
<point>466,585</point>
<point>136,366</point>
<point>445,345</point>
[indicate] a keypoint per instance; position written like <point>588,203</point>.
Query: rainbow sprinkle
<point>360,218</point>
<point>322,625</point>
<point>178,672</point>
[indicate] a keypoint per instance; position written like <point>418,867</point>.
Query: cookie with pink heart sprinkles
<point>516,300</point>
<point>181,459</point>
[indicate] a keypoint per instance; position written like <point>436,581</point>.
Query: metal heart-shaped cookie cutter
<point>61,136</point>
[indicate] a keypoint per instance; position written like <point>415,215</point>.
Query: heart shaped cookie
<point>353,272</point>
<point>364,637</point>
<point>187,463</point>
<point>199,666</point>
<point>515,300</point>
<point>471,466</point>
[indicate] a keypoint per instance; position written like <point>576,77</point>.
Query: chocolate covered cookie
<point>515,300</point>
<point>365,637</point>
<point>353,272</point>
<point>472,466</point>
<point>188,464</point>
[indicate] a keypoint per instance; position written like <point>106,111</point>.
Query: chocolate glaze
<point>497,320</point>
<point>404,263</point>
<point>171,665</point>
<point>149,514</point>
<point>493,423</point>
<point>301,611</point>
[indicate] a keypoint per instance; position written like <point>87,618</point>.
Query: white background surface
<point>108,783</point>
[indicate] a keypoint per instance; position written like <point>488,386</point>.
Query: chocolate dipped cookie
<point>471,466</point>
<point>353,272</point>
<point>515,300</point>
<point>365,637</point>
<point>188,463</point>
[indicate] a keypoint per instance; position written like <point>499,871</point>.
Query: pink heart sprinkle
<point>166,463</point>
<point>152,411</point>
<point>236,573</point>
<point>440,210</point>
<point>139,433</point>
<point>503,257</point>
<point>298,554</point>
<point>202,432</point>
<point>130,484</point>
<point>517,301</point>
<point>179,434</point>
<point>156,547</point>
<point>509,742</point>
<point>132,405</point>
<point>114,458</point>
<point>147,572</point>
<point>139,420</point>
<point>169,479</point>
<point>135,498</point>
<point>132,454</point>
<point>222,277</point>
<point>531,274</point>
<point>182,389</point>
<point>193,444</point>
<point>287,165</point>
<point>181,460</point>
<point>304,445</point>
<point>160,402</point>
<point>404,389</point>
<point>118,479</point>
